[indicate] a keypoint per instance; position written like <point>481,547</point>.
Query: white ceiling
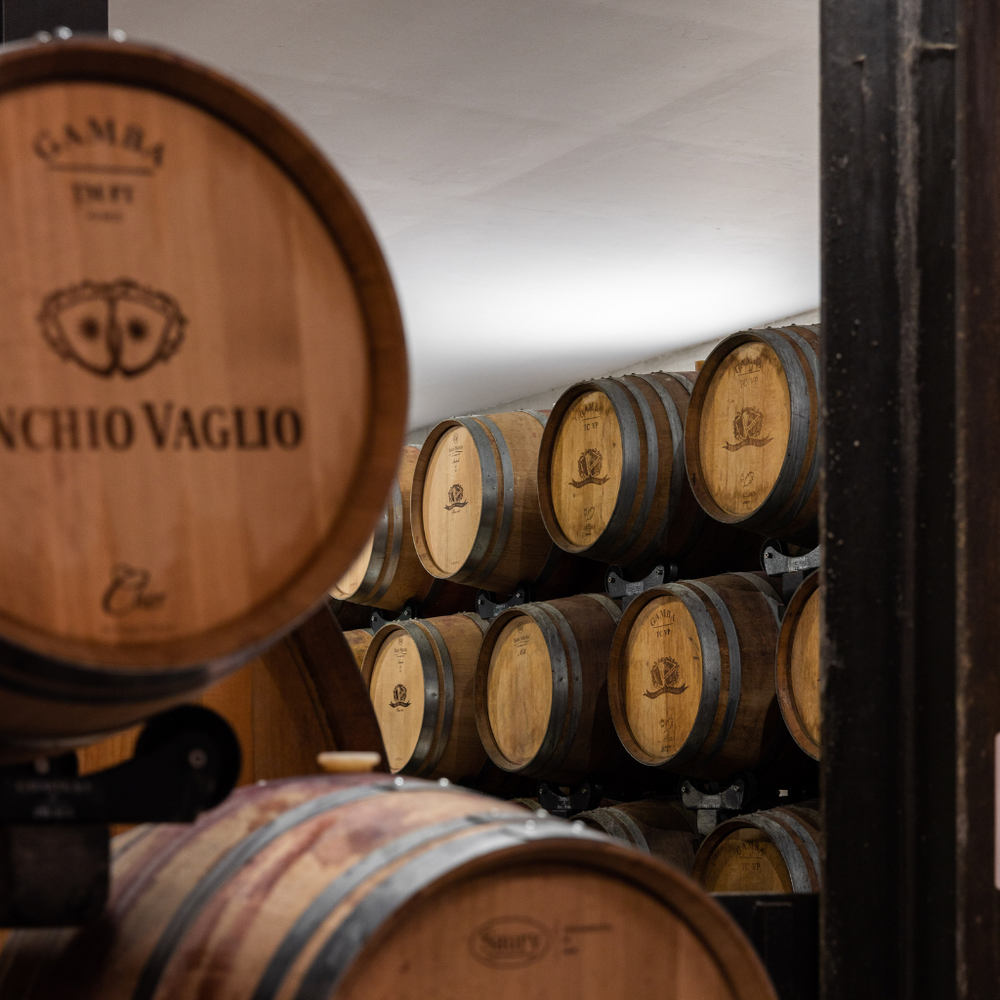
<point>561,187</point>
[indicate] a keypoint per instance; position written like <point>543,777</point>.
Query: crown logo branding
<point>589,466</point>
<point>748,426</point>
<point>108,327</point>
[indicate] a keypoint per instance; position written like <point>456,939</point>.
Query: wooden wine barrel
<point>474,503</point>
<point>751,435</point>
<point>654,826</point>
<point>387,573</point>
<point>420,675</point>
<point>303,697</point>
<point>777,850</point>
<point>797,666</point>
<point>358,888</point>
<point>611,478</point>
<point>204,383</point>
<point>359,640</point>
<point>691,675</point>
<point>541,701</point>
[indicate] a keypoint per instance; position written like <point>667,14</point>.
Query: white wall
<point>678,360</point>
<point>560,186</point>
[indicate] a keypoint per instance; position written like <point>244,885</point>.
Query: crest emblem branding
<point>456,498</point>
<point>510,942</point>
<point>112,326</point>
<point>589,466</point>
<point>665,674</point>
<point>748,426</point>
<point>399,697</point>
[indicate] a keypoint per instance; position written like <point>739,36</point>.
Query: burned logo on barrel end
<point>589,466</point>
<point>510,942</point>
<point>748,428</point>
<point>129,591</point>
<point>108,327</point>
<point>456,498</point>
<point>665,674</point>
<point>399,697</point>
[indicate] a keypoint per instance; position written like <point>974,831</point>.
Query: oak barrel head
<point>451,501</point>
<point>519,691</point>
<point>204,369</point>
<point>744,425</point>
<point>661,683</point>
<point>750,443</point>
<point>396,686</point>
<point>585,468</point>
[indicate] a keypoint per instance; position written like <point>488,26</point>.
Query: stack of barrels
<point>224,426</point>
<point>707,676</point>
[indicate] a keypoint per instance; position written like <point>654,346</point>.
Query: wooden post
<point>24,18</point>
<point>888,517</point>
<point>978,484</point>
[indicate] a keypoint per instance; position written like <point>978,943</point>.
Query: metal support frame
<point>24,18</point>
<point>888,358</point>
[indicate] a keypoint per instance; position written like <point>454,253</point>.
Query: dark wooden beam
<point>979,500</point>
<point>24,18</point>
<point>888,520</point>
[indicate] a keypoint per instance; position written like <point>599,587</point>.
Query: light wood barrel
<point>204,383</point>
<point>797,666</point>
<point>387,573</point>
<point>474,504</point>
<point>691,675</point>
<point>751,434</point>
<point>777,850</point>
<point>654,826</point>
<point>357,888</point>
<point>541,700</point>
<point>420,675</point>
<point>611,478</point>
<point>359,640</point>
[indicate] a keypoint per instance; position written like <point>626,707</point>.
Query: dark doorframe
<point>888,520</point>
<point>24,18</point>
<point>979,501</point>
